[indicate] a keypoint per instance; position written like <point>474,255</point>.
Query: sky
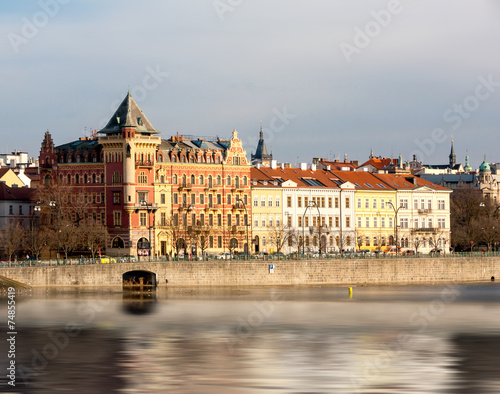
<point>326,78</point>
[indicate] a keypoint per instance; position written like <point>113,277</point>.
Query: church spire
<point>261,156</point>
<point>453,157</point>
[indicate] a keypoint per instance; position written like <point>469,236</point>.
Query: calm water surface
<point>399,339</point>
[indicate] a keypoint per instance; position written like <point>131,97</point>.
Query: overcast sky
<point>325,77</point>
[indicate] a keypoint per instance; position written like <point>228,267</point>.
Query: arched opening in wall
<point>142,247</point>
<point>257,245</point>
<point>139,279</point>
<point>118,243</point>
<point>47,180</point>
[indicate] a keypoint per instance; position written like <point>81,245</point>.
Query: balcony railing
<point>144,163</point>
<point>424,211</point>
<point>425,230</point>
<point>185,186</point>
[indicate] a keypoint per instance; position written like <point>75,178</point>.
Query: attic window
<point>139,121</point>
<point>356,184</point>
<point>118,119</point>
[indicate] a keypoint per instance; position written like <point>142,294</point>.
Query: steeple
<point>261,156</point>
<point>467,167</point>
<point>453,157</point>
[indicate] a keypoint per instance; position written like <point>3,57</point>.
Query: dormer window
<point>139,121</point>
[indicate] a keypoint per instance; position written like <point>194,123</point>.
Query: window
<point>262,201</point>
<point>263,221</point>
<point>256,221</point>
<point>330,204</point>
<point>374,204</point>
<point>403,203</point>
<point>336,202</point>
<point>382,203</point>
<point>441,223</point>
<point>219,219</point>
<point>348,241</point>
<point>271,221</point>
<point>228,180</point>
<point>359,203</point>
<point>102,197</point>
<point>219,241</point>
<point>429,223</point>
<point>142,178</point>
<point>359,221</point>
<point>347,203</point>
<point>367,203</point>
<point>176,198</point>
<point>337,221</point>
<point>415,223</point>
<point>202,199</point>
<point>270,201</point>
<point>277,202</point>
<point>390,222</point>
<point>245,181</point>
<point>174,179</point>
<point>162,198</point>
<point>403,222</point>
<point>117,218</point>
<point>202,180</point>
<point>219,199</point>
<point>142,218</point>
<point>375,222</point>
<point>142,196</point>
<point>322,202</point>
<point>382,222</point>
<point>219,179</point>
<point>176,219</point>
<point>441,204</point>
<point>193,198</point>
<point>367,241</point>
<point>117,198</point>
<point>163,219</point>
<point>20,209</point>
<point>210,220</point>
<point>299,202</point>
<point>255,201</point>
<point>330,221</point>
<point>300,221</point>
<point>422,203</point>
<point>367,222</point>
<point>306,222</point>
<point>348,221</point>
<point>306,202</point>
<point>375,241</point>
<point>289,201</point>
<point>415,204</point>
<point>193,180</point>
<point>289,221</point>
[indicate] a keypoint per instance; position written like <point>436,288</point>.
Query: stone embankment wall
<point>288,272</point>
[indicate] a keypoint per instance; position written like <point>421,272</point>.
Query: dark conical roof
<point>129,114</point>
<point>261,151</point>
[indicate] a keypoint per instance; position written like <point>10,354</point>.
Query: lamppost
<point>395,222</point>
<point>149,208</point>
<point>188,209</point>
<point>36,208</point>
<point>311,205</point>
<point>238,202</point>
<point>53,204</point>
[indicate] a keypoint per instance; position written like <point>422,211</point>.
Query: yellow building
<point>267,210</point>
<point>374,214</point>
<point>10,178</point>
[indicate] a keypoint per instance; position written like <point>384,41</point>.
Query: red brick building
<point>155,194</point>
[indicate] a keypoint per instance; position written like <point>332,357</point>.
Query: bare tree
<point>93,236</point>
<point>11,239</point>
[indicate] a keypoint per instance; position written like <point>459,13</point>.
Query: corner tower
<point>129,143</point>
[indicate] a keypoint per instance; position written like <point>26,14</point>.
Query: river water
<point>394,339</point>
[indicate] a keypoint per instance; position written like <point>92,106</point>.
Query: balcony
<point>238,207</point>
<point>238,229</point>
<point>211,188</point>
<point>238,189</point>
<point>210,207</point>
<point>425,211</point>
<point>186,207</point>
<point>144,163</point>
<point>185,187</point>
<point>425,230</point>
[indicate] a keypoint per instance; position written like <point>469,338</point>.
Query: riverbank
<point>254,273</point>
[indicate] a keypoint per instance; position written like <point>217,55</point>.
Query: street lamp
<point>36,208</point>
<point>188,209</point>
<point>53,204</point>
<point>149,208</point>
<point>311,205</point>
<point>395,222</point>
<point>238,202</point>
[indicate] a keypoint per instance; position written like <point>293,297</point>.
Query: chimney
<point>258,165</point>
<point>303,166</point>
<point>274,163</point>
<point>313,167</point>
<point>328,168</point>
<point>282,165</point>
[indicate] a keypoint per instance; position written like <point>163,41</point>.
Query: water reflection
<point>262,340</point>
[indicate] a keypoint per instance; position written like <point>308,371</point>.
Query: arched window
<point>174,158</point>
<point>375,241</point>
<point>315,241</point>
<point>77,178</point>
<point>183,179</point>
<point>219,180</point>
<point>191,158</point>
<point>174,179</point>
<point>245,181</point>
<point>202,180</point>
<point>210,182</point>
<point>307,240</point>
<point>228,180</point>
<point>94,178</point>
<point>237,182</point>
<point>118,243</point>
<point>193,180</point>
<point>348,241</point>
<point>337,240</point>
<point>102,178</point>
<point>367,241</point>
<point>382,242</point>
<point>68,180</point>
<point>160,158</point>
<point>183,159</point>
<point>85,178</point>
<point>331,240</point>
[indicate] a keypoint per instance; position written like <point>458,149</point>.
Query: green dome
<point>484,167</point>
